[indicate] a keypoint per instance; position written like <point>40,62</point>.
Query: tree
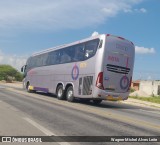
<point>8,73</point>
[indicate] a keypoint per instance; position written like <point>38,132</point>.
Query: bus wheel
<point>60,92</point>
<point>96,102</point>
<point>69,94</point>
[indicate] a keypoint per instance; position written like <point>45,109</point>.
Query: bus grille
<point>80,86</point>
<point>87,84</point>
<point>118,69</point>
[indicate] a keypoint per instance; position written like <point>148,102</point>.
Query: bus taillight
<point>99,82</point>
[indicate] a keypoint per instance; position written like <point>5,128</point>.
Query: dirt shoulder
<point>14,84</point>
<point>141,103</point>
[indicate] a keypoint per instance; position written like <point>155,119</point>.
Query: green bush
<point>132,90</point>
<point>9,74</point>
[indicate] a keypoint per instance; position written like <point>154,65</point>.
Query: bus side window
<point>54,59</point>
<point>90,48</point>
<point>44,59</point>
<point>65,58</point>
<point>33,62</point>
<point>57,57</point>
<point>27,66</point>
<point>39,60</point>
<point>79,52</point>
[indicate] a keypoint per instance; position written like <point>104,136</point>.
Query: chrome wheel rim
<point>70,94</point>
<point>60,92</point>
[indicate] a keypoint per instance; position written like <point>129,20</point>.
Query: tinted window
<point>66,55</point>
<point>54,57</point>
<point>32,62</point>
<point>44,59</point>
<point>28,65</point>
<point>39,60</point>
<point>74,53</point>
<point>79,52</point>
<point>91,48</point>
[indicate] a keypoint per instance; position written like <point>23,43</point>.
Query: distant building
<point>152,88</point>
<point>135,85</point>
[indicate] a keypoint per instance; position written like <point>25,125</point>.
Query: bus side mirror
<point>22,69</point>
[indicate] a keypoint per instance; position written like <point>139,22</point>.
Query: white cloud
<point>141,10</point>
<point>143,50</point>
<point>13,60</point>
<point>59,14</point>
<point>94,34</point>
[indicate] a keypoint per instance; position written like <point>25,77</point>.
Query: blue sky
<point>27,26</point>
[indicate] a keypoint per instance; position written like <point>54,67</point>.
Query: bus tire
<point>70,94</point>
<point>60,92</point>
<point>96,102</point>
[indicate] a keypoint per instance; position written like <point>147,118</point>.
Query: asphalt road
<point>40,114</point>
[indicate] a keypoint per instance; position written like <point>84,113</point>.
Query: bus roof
<point>66,45</point>
<point>77,42</point>
<point>120,38</point>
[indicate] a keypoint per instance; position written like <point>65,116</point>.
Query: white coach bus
<point>97,68</point>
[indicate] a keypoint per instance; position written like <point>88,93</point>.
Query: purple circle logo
<point>124,82</point>
<point>75,72</point>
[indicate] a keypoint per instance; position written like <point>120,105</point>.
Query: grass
<point>149,99</point>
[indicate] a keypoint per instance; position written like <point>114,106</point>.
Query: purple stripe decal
<point>41,89</point>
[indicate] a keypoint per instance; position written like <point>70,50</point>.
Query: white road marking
<point>43,129</point>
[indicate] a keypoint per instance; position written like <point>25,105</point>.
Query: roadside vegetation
<point>9,74</point>
<point>132,90</point>
<point>155,99</point>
